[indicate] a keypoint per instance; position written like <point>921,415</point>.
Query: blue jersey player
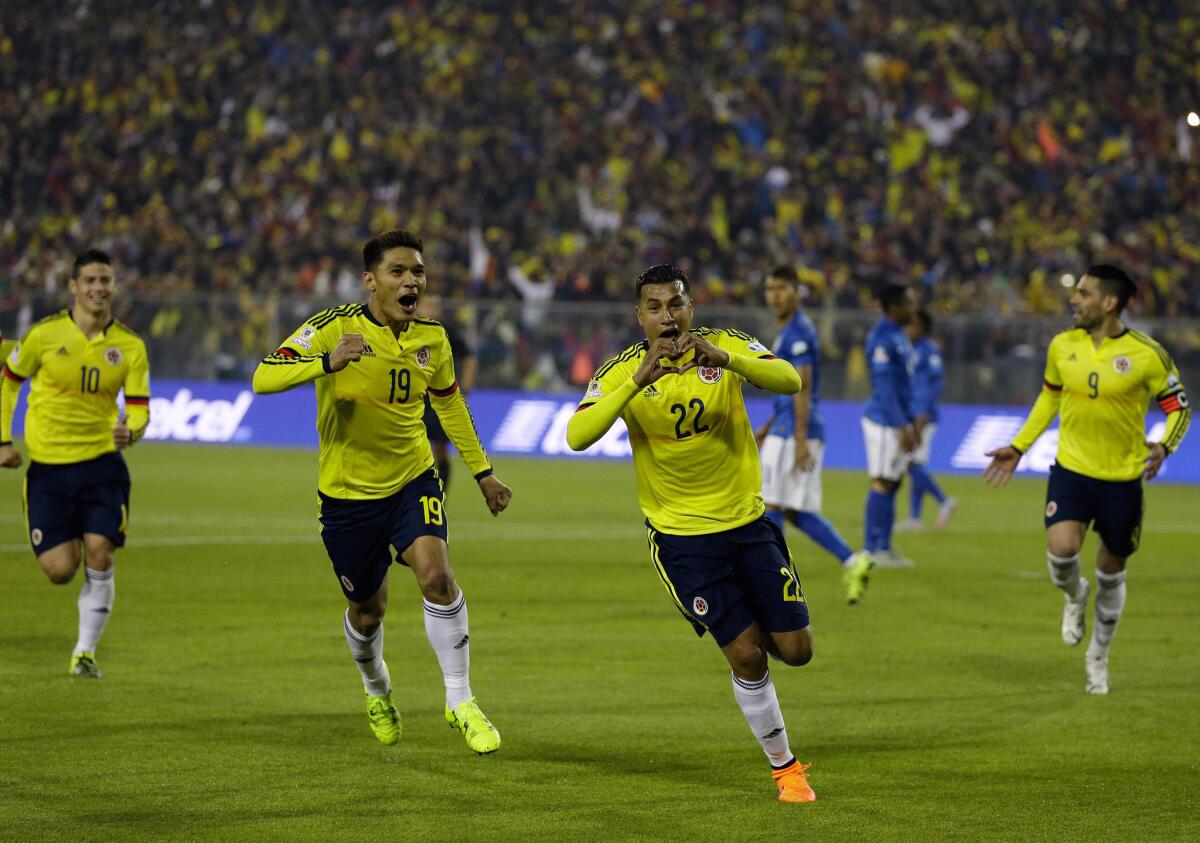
<point>792,441</point>
<point>889,420</point>
<point>927,390</point>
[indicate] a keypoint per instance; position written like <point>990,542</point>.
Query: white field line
<point>521,533</point>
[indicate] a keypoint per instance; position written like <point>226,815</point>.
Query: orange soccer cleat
<point>792,782</point>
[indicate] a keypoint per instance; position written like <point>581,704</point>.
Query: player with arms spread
<point>1100,377</point>
<point>373,365</point>
<point>77,486</point>
<point>792,441</point>
<point>724,564</point>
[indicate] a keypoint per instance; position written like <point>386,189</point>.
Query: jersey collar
<point>366,311</point>
<point>103,331</point>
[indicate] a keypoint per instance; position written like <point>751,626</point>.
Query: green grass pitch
<point>944,707</point>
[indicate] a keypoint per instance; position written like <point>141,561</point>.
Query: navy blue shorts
<point>724,582</point>
<point>1114,507</point>
<point>62,502</point>
<point>357,533</point>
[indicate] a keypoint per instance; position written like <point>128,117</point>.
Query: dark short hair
<point>89,256</point>
<point>786,272</point>
<point>1113,281</point>
<point>662,273</point>
<point>924,320</point>
<point>399,238</point>
<point>891,295</point>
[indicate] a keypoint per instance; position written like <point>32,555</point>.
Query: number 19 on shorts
<point>432,510</point>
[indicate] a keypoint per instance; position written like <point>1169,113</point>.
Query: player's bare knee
<point>439,587</point>
<point>60,574</point>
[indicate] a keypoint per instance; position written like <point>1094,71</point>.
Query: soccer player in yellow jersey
<point>724,564</point>
<point>373,365</point>
<point>1100,377</point>
<point>77,486</point>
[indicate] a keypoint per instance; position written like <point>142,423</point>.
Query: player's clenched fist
<point>349,349</point>
<point>9,456</point>
<point>495,493</point>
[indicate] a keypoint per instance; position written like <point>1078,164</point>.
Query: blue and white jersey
<point>927,378</point>
<point>890,358</point>
<point>797,343</point>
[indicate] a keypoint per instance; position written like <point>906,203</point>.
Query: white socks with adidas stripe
<point>1064,573</point>
<point>1110,601</point>
<point>368,655</point>
<point>760,706</point>
<point>446,629</point>
<point>95,605</point>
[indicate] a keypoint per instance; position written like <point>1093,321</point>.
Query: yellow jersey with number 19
<point>1102,395</point>
<point>370,415</point>
<point>693,446</point>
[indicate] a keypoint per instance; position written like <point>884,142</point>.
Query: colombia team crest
<point>423,357</point>
<point>700,606</point>
<point>1122,365</point>
<point>709,374</point>
<point>113,356</point>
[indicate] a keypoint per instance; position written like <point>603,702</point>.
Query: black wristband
<point>487,472</point>
<point>1018,450</point>
<point>325,363</point>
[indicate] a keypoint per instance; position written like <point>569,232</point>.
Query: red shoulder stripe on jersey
<point>1170,404</point>
<point>584,406</point>
<point>138,400</point>
<point>767,357</point>
<point>1053,387</point>
<point>442,393</point>
<point>13,376</point>
<point>287,352</point>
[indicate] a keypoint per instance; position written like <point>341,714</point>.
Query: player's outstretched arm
<point>10,457</point>
<point>288,368</point>
<point>1003,464</point>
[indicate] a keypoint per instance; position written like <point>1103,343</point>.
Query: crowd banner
<point>535,425</point>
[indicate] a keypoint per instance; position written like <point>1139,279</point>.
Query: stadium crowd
<point>550,150</point>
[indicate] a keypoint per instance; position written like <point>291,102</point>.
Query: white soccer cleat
<point>1074,624</point>
<point>891,559</point>
<point>1097,674</point>
<point>908,525</point>
<point>945,512</point>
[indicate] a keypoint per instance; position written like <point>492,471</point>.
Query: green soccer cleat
<point>855,575</point>
<point>481,735</point>
<point>84,665</point>
<point>384,719</point>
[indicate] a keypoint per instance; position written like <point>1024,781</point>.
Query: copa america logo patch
<point>349,586</point>
<point>1051,508</point>
<point>1122,365</point>
<point>113,356</point>
<point>700,606</point>
<point>709,374</point>
<point>36,536</point>
<point>423,357</point>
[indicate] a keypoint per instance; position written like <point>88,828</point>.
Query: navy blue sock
<point>928,484</point>
<point>916,490</point>
<point>776,516</point>
<point>876,503</point>
<point>822,532</point>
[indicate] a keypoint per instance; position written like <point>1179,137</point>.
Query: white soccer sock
<point>1064,573</point>
<point>95,605</point>
<point>761,709</point>
<point>446,628</point>
<point>368,654</point>
<point>1110,600</point>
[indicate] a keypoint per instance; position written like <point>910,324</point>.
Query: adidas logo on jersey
<point>62,351</point>
<point>651,392</point>
<point>367,351</point>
